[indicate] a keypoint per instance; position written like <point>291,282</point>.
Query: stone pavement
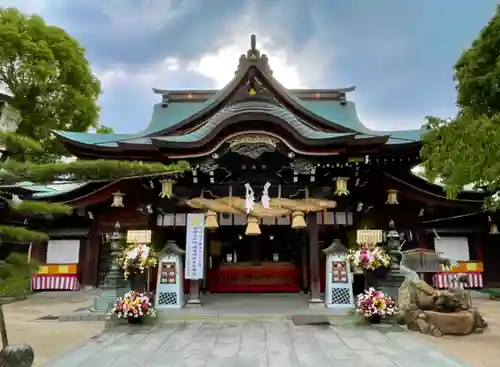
<point>254,344</point>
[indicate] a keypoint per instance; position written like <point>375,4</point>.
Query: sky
<point>398,53</point>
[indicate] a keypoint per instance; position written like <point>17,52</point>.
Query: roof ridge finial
<point>253,42</point>
<point>253,57</point>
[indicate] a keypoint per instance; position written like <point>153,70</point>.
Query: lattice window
<point>341,296</point>
<point>167,298</point>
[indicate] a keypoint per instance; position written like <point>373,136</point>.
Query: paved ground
<point>49,338</point>
<point>255,344</point>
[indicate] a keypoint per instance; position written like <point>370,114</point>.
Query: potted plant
<point>375,305</point>
<point>135,260</point>
<point>133,307</point>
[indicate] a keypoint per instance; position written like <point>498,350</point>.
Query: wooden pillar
<point>92,251</point>
<point>39,252</point>
<point>82,261</point>
<point>312,226</point>
<point>478,247</point>
<point>303,262</point>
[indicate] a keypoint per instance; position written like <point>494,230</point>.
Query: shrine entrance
<point>270,262</point>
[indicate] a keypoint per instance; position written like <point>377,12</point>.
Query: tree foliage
<point>49,78</point>
<point>466,149</point>
<point>15,275</point>
<point>78,171</point>
<point>84,171</point>
<point>102,129</point>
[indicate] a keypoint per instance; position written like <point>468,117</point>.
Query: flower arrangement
<point>136,258</point>
<point>133,305</point>
<point>368,257</point>
<point>375,305</point>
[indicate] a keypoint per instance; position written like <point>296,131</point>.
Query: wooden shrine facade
<point>296,146</point>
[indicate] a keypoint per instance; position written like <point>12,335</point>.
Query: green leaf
<point>466,149</point>
<point>40,207</point>
<point>50,80</point>
<point>82,170</point>
<point>16,142</point>
<point>101,129</point>
<point>21,234</point>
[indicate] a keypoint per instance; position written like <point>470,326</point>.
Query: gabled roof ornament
<point>254,58</point>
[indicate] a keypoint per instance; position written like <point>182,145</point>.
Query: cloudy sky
<point>398,53</point>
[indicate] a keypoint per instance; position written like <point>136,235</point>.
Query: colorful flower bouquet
<point>133,306</point>
<point>368,257</point>
<point>375,305</point>
<point>136,258</point>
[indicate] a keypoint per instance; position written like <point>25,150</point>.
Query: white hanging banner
<point>63,252</point>
<point>195,243</point>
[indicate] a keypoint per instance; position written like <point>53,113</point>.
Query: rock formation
<point>423,308</point>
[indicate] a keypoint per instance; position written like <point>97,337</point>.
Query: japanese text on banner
<point>195,241</point>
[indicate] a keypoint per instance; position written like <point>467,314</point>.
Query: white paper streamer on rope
<point>266,202</point>
<point>249,198</point>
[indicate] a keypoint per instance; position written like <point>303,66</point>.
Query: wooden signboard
<point>369,236</point>
<point>339,272</point>
<point>142,236</point>
<point>168,273</point>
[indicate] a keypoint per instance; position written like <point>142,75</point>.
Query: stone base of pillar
<point>193,303</point>
<point>107,298</point>
<point>391,284</point>
<point>316,303</point>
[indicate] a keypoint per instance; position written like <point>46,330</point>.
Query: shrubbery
<point>15,275</point>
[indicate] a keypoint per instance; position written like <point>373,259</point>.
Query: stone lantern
<point>115,285</point>
<point>390,285</point>
<point>394,248</point>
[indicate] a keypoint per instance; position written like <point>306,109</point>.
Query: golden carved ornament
<point>253,139</point>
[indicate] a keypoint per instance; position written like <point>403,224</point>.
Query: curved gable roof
<point>171,119</point>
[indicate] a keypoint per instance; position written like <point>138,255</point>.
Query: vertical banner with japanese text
<point>195,242</point>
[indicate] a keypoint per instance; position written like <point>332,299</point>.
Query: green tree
<point>49,78</point>
<point>466,148</point>
<point>102,129</point>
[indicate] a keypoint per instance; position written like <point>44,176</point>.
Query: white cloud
<point>289,67</point>
<point>221,64</point>
<point>219,67</point>
<point>150,76</point>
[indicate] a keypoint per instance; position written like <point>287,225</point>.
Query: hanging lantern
<point>341,186</point>
<point>253,228</point>
<point>392,197</point>
<point>211,220</point>
<point>298,221</point>
<point>167,188</point>
<point>117,199</point>
<point>494,228</point>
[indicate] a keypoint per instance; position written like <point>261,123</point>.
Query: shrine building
<point>304,149</point>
